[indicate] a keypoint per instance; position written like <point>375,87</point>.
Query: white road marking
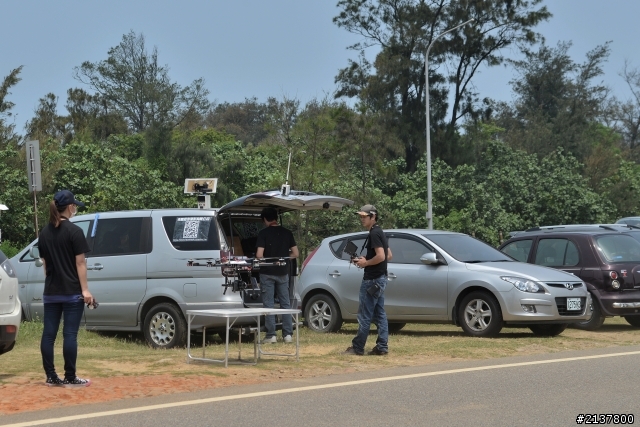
<point>307,388</point>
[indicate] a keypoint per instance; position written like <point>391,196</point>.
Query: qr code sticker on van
<point>190,229</point>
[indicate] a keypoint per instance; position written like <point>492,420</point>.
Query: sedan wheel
<point>480,315</point>
<point>322,314</point>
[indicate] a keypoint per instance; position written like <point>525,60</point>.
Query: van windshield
<point>618,248</point>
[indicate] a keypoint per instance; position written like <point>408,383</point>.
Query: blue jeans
<point>371,308</point>
<point>53,312</point>
<point>271,287</point>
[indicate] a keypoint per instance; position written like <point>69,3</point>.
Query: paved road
<point>545,390</point>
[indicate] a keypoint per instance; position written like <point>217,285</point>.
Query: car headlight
<point>8,268</point>
<point>524,285</point>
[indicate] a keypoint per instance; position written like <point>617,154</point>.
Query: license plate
<point>573,304</point>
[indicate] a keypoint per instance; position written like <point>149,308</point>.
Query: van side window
<point>192,233</point>
<point>556,252</point>
<point>519,249</point>
<point>122,236</point>
<point>84,225</point>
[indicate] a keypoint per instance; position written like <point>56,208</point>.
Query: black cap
<point>66,197</point>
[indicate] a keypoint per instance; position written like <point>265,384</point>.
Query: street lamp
<point>428,129</point>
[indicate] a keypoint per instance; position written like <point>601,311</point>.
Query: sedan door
<point>414,289</point>
<point>345,278</point>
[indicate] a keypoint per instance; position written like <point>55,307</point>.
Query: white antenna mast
<point>286,188</point>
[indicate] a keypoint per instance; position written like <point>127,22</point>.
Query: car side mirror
<point>34,252</point>
<point>429,258</point>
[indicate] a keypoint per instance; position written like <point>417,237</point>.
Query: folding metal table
<point>235,314</point>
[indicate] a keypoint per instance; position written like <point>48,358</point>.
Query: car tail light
<point>613,275</point>
<point>308,258</point>
<point>11,329</point>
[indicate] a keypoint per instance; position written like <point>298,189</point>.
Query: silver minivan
<point>141,267</point>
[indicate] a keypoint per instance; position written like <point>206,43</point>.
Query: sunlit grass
<point>111,354</point>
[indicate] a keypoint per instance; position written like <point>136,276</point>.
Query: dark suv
<point>605,257</point>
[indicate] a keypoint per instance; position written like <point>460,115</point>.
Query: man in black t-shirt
<point>275,241</point>
<point>374,282</point>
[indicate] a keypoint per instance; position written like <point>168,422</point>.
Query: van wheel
<point>480,315</point>
<point>548,330</point>
<point>164,326</point>
<point>322,314</point>
<point>633,320</point>
<point>597,319</point>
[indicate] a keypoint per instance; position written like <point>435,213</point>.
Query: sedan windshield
<point>618,248</point>
<point>467,249</point>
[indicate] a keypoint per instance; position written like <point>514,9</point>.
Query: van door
<point>117,268</point>
<point>35,281</point>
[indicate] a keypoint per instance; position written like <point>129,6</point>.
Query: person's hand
<point>88,298</point>
<point>359,261</point>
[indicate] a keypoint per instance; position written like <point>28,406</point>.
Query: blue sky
<point>248,48</point>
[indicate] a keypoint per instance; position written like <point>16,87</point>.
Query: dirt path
<point>23,394</point>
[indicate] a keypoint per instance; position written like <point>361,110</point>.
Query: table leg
<point>226,346</point>
<point>188,338</point>
<point>297,339</point>
<point>259,348</point>
<point>204,334</point>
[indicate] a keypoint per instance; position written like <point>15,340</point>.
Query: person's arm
<point>377,259</point>
<point>44,265</point>
<point>81,267</point>
<point>294,252</point>
<point>389,254</point>
<point>260,252</point>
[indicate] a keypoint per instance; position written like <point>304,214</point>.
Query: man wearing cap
<point>374,282</point>
<point>62,246</point>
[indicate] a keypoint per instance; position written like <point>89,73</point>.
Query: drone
<point>238,271</point>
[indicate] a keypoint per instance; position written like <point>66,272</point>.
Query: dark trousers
<point>53,312</point>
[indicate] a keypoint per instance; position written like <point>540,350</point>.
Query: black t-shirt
<point>276,241</point>
<point>376,239</point>
<point>59,247</point>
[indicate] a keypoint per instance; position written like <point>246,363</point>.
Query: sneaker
<point>288,339</point>
<point>375,351</point>
<point>76,382</point>
<point>350,350</point>
<point>54,382</point>
<point>269,340</point>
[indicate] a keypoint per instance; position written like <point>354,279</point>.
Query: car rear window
<point>618,248</point>
<point>192,233</point>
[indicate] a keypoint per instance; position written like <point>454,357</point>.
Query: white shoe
<point>270,340</point>
<point>287,339</point>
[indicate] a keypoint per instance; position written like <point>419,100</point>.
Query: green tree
<point>140,88</point>
<point>394,83</point>
<point>557,104</point>
<point>7,128</point>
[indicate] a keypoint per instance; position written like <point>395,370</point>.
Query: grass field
<point>110,354</point>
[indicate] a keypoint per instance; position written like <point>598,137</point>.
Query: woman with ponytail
<point>62,246</point>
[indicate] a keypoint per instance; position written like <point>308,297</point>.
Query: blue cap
<point>66,197</point>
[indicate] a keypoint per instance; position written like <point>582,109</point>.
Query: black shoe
<point>351,350</point>
<point>54,382</point>
<point>375,351</point>
<point>76,382</point>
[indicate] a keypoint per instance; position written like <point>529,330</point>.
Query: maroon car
<point>605,257</point>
